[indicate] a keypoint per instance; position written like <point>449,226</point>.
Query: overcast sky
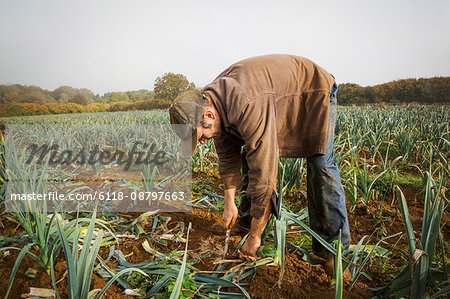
<point>120,45</point>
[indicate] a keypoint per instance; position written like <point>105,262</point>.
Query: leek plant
<point>352,191</point>
<point>419,275</point>
<point>32,215</point>
<point>338,278</point>
<point>177,287</point>
<point>375,138</point>
<point>294,173</point>
<point>431,158</point>
<point>341,153</point>
<point>148,177</point>
<point>80,267</point>
<point>361,181</point>
<point>385,163</point>
<point>406,141</point>
<point>205,158</point>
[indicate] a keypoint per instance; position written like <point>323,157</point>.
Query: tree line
<point>65,94</point>
<point>42,103</point>
<point>422,90</point>
<point>18,100</point>
<point>28,109</point>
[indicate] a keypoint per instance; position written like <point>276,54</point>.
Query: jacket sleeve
<point>229,161</point>
<point>257,125</point>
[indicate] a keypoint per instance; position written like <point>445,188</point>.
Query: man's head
<point>194,119</point>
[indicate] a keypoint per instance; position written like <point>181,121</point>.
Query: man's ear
<point>209,113</point>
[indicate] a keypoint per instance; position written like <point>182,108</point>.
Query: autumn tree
<point>114,97</point>
<point>79,99</point>
<point>350,93</point>
<point>437,89</point>
<point>10,97</point>
<point>35,97</point>
<point>169,86</point>
<point>65,94</point>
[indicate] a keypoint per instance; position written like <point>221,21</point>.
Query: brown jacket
<point>267,103</point>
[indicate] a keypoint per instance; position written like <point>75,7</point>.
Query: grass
<point>143,283</point>
<point>199,187</point>
<point>384,270</point>
<point>302,240</point>
<point>386,183</point>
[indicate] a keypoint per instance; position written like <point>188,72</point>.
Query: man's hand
<point>230,214</point>
<point>250,247</point>
<point>230,211</point>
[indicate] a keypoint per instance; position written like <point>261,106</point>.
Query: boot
<point>327,262</point>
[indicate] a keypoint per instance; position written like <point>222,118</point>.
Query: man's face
<point>209,127</point>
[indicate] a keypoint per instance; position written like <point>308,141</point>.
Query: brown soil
<point>300,280</point>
